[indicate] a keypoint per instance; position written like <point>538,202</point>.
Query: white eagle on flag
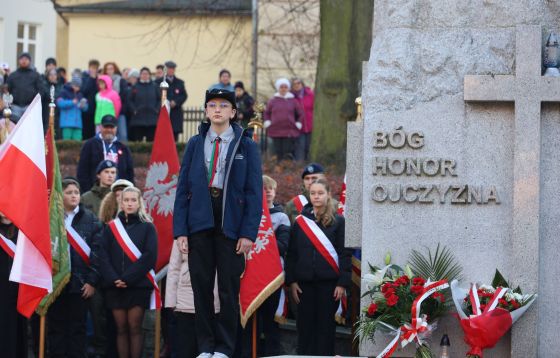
<point>158,193</point>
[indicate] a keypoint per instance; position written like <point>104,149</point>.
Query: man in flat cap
<point>176,95</point>
<point>218,208</point>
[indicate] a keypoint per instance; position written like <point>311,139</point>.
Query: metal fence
<point>192,116</point>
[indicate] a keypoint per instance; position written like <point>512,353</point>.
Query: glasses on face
<point>222,105</point>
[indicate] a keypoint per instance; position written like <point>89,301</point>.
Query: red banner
<point>263,270</point>
<point>161,185</point>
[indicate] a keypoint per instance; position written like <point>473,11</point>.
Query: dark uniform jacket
<point>177,93</point>
<point>89,228</point>
<point>305,263</point>
<point>92,154</point>
<point>116,265</point>
<point>242,204</point>
<point>143,102</point>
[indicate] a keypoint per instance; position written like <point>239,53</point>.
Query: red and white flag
<point>24,200</point>
<point>161,185</point>
<point>263,269</point>
<point>341,210</point>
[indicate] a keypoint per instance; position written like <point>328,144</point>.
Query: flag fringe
<point>51,297</point>
<point>265,293</point>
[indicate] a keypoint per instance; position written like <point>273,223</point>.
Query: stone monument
<point>459,146</point>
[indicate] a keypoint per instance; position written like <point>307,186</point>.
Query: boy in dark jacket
<point>217,213</point>
<point>67,315</point>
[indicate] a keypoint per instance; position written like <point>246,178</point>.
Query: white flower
<point>487,288</point>
<point>518,297</point>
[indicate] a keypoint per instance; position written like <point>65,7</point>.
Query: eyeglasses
<point>222,105</point>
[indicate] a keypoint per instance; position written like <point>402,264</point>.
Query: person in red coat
<point>283,120</point>
<point>305,96</point>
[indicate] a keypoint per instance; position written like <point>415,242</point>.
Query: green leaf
<point>499,280</point>
<point>435,266</point>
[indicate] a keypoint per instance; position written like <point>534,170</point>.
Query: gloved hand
<point>267,124</point>
<point>298,125</point>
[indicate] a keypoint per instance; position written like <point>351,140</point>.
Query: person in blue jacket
<point>217,213</point>
<point>71,104</point>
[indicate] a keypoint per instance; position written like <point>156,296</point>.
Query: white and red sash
<point>134,254</point>
<point>8,246</point>
<point>300,201</point>
<point>78,244</point>
<point>319,240</point>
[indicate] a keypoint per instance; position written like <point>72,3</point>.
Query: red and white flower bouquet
<point>486,312</point>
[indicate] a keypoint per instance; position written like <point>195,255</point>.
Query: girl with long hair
<point>317,270</point>
<point>128,288</point>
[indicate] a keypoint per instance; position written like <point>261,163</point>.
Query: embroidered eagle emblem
<point>159,192</point>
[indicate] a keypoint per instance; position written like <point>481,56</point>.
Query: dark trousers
<point>99,320</point>
<point>302,146</point>
<point>185,336</point>
<point>137,133</point>
<point>211,251</point>
<point>284,148</point>
<point>315,323</point>
<point>66,326</point>
<point>13,329</point>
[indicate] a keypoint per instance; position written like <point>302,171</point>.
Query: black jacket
<point>177,93</point>
<point>24,84</point>
<point>8,288</point>
<point>116,265</point>
<point>305,263</point>
<point>92,154</point>
<point>89,228</point>
<point>282,232</point>
<point>143,102</point>
<point>89,90</point>
<point>245,107</point>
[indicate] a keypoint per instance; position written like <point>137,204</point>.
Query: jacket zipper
<point>226,179</point>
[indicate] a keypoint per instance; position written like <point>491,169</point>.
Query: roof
<point>179,7</point>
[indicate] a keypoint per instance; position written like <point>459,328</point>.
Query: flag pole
<point>254,351</point>
<point>42,321</point>
<point>164,86</point>
<point>42,337</point>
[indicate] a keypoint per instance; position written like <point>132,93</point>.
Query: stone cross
<point>527,89</point>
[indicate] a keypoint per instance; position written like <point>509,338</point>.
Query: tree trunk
<point>346,35</point>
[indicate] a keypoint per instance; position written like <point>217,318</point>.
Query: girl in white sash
<point>128,288</point>
<point>66,317</point>
<point>317,271</point>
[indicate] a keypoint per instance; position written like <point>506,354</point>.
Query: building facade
<point>27,26</point>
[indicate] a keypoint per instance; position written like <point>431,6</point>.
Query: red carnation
<point>392,300</point>
<point>389,292</point>
<point>503,302</point>
<point>515,304</point>
<point>440,296</point>
<point>371,309</point>
<point>403,280</point>
<point>385,287</point>
<point>417,290</point>
<point>418,281</point>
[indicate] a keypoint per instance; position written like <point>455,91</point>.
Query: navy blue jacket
<point>89,228</point>
<point>242,205</point>
<point>92,154</point>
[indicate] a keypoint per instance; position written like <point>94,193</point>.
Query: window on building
<point>26,39</point>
